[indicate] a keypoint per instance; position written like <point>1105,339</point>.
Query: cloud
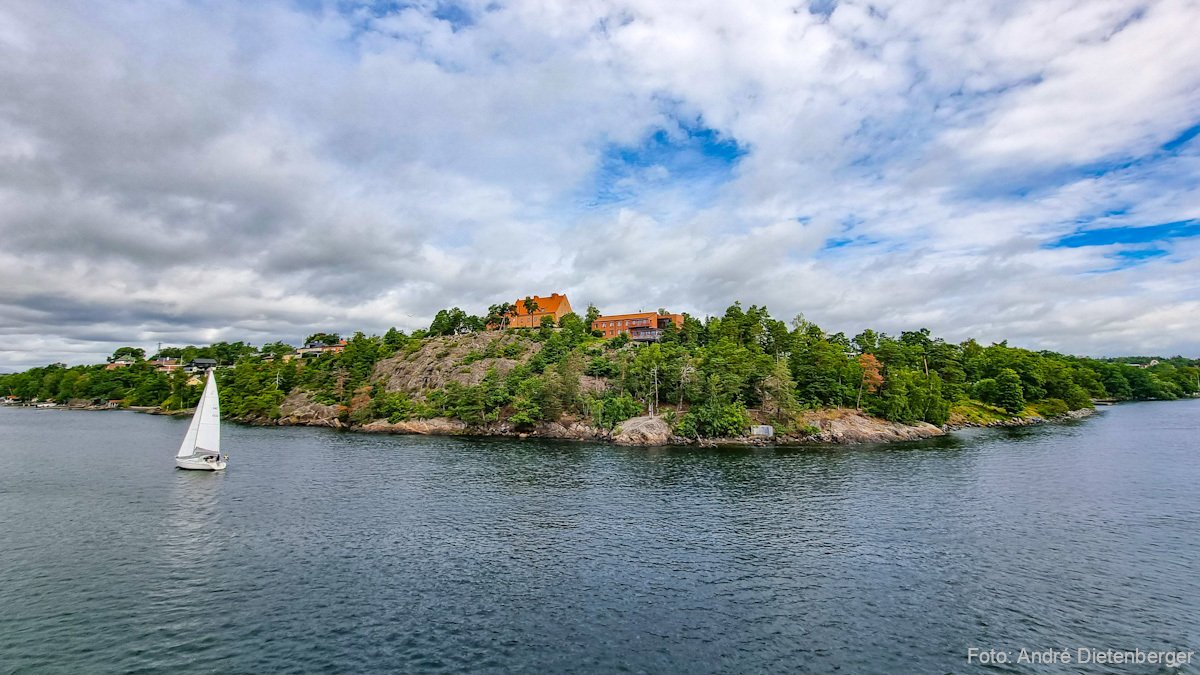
<point>183,172</point>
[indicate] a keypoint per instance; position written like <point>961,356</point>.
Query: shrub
<point>601,367</point>
<point>394,407</point>
<point>1052,407</point>
<point>715,420</point>
<point>618,342</point>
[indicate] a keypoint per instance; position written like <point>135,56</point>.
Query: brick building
<point>640,326</point>
<point>555,306</point>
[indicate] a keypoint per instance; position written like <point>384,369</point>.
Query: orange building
<point>642,326</point>
<point>556,306</point>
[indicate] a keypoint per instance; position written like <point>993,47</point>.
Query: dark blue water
<point>320,551</point>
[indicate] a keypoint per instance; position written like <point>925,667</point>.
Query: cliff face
<point>460,358</point>
<point>299,409</point>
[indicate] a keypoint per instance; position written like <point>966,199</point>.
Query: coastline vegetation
<point>711,378</point>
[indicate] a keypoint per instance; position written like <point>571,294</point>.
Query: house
<point>318,348</point>
<point>123,362</point>
<point>555,306</point>
<point>199,365</point>
<point>639,326</point>
<point>165,364</point>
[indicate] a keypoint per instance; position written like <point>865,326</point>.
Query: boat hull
<point>200,463</point>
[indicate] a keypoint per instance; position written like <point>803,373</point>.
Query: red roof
<point>545,305</point>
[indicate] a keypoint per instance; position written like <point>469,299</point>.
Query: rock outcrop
<point>435,426</point>
<point>844,426</point>
<point>299,409</point>
<point>464,359</point>
<point>643,431</point>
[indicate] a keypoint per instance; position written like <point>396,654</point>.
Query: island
<point>535,368</point>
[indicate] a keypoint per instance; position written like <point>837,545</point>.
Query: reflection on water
<point>191,538</point>
<point>326,551</point>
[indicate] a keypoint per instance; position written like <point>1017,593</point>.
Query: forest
<point>710,378</point>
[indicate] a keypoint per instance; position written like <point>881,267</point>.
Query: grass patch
<point>976,412</point>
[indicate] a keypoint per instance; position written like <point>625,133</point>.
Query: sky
<point>183,172</point>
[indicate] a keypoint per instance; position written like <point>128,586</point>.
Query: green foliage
<point>391,406</point>
<point>599,366</point>
<point>714,420</point>
<point>276,349</point>
<point>134,353</point>
<point>328,339</point>
<point>527,402</point>
<point>711,372</point>
<point>1008,393</point>
<point>1051,407</point>
<point>610,409</point>
<point>976,412</point>
<point>249,390</point>
<point>455,321</point>
<point>618,341</point>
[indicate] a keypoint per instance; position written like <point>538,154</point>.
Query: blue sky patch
<point>1182,139</point>
<point>1108,236</point>
<point>822,8</point>
<point>1018,183</point>
<point>455,15</point>
<point>691,155</point>
<point>1122,260</point>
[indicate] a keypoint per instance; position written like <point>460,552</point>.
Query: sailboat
<point>201,447</point>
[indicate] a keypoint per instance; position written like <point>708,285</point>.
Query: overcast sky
<point>186,172</point>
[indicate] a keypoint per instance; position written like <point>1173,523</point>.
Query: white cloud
<point>177,172</point>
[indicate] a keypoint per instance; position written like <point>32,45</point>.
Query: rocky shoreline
<point>830,426</point>
<point>835,426</point>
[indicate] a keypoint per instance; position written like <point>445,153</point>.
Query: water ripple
<point>327,552</point>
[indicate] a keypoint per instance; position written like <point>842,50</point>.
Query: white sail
<point>204,433</point>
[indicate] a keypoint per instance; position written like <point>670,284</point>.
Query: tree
<point>527,403</point>
<point>135,353</point>
<point>530,306</point>
<point>591,316</point>
<point>277,349</point>
<point>394,339</point>
<point>779,390</point>
<point>1008,391</point>
<point>871,379</point>
<point>327,339</point>
<point>447,322</point>
<point>499,314</point>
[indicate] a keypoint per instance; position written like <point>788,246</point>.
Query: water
<point>320,551</point>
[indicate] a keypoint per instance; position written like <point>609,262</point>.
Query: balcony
<point>645,334</point>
